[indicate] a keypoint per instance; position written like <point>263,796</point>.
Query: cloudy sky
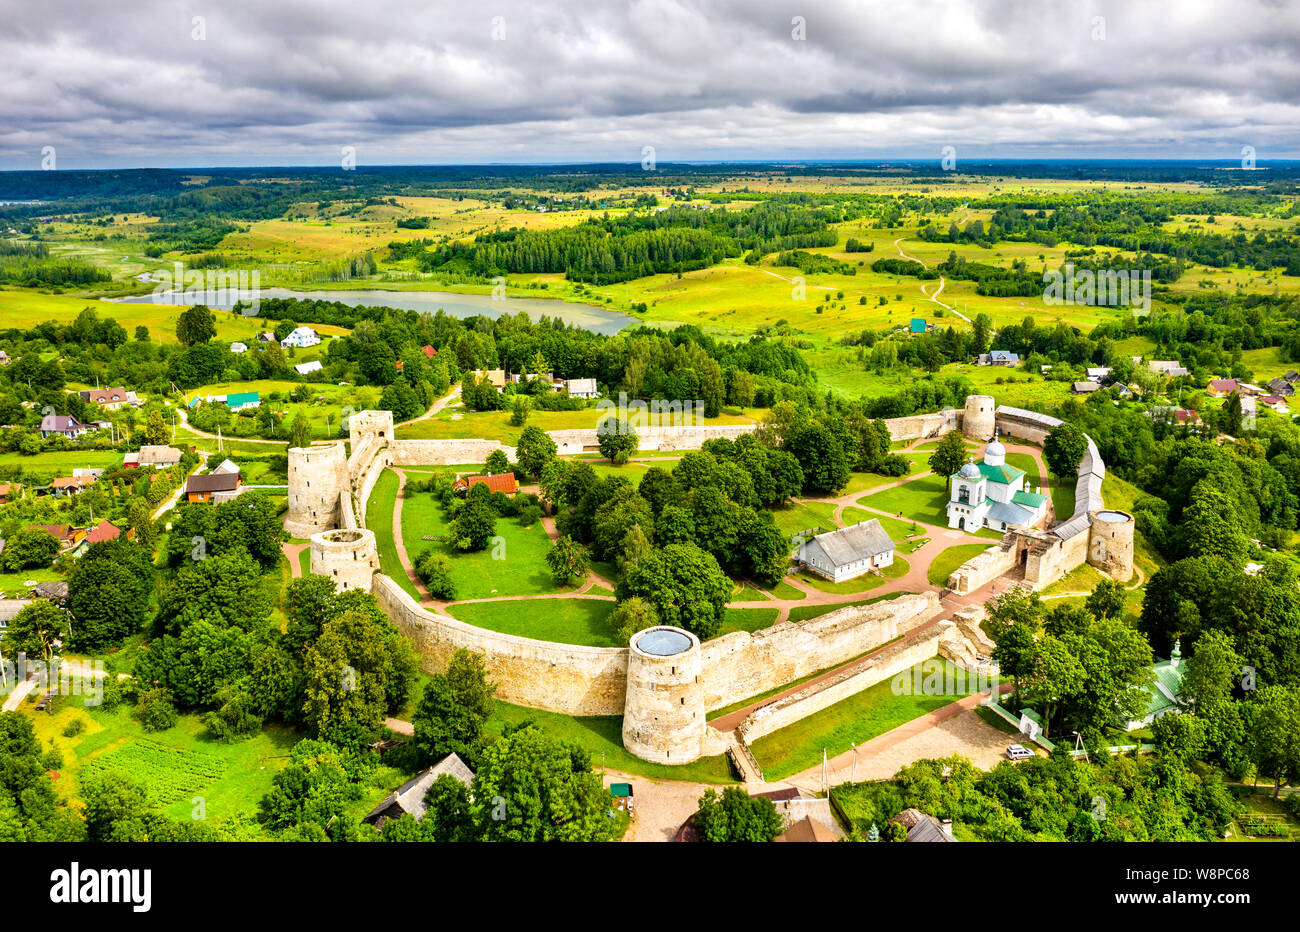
<point>292,82</point>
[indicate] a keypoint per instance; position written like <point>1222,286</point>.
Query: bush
<point>155,710</point>
<point>434,570</point>
<point>74,728</point>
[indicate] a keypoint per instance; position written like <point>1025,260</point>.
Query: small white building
<point>238,348</point>
<point>849,552</point>
<point>582,388</point>
<point>301,337</point>
<point>303,368</point>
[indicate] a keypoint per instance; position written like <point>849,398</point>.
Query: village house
<point>1084,388</point>
<point>848,552</point>
<point>238,347</point>
<point>429,351</point>
<point>4,358</point>
<point>999,357</point>
<point>211,486</point>
<point>497,377</point>
<point>305,368</point>
<point>67,535</point>
<point>8,490</point>
<point>1222,388</point>
<point>582,388</point>
<point>408,799</point>
<point>1097,373</point>
<point>923,827</point>
<point>71,485</point>
<point>1281,387</point>
<point>1167,367</point>
<point>63,424</point>
<point>156,455</point>
<point>104,531</point>
<point>110,399</point>
<point>496,482</point>
<point>301,338</point>
<point>1275,403</point>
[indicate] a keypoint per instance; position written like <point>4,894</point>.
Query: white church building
<point>992,494</point>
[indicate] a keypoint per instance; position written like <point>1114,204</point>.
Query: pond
<point>586,316</point>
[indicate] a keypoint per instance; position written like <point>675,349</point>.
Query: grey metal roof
<point>1024,414</point>
<point>1076,525</point>
<point>1010,513</point>
<point>856,542</point>
<point>409,797</point>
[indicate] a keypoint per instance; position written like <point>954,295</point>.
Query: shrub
<point>155,710</point>
<point>74,728</point>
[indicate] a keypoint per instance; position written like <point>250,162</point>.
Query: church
<point>992,494</point>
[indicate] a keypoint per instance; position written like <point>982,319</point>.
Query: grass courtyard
<point>835,729</point>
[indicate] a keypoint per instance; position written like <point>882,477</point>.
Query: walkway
<point>929,297</point>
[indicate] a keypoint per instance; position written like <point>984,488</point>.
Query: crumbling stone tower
<point>977,422</point>
<point>1110,543</point>
<point>347,556</point>
<point>663,715</point>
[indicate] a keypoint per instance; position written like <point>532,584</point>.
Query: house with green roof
<point>917,325</point>
<point>992,494</point>
<point>240,400</point>
<point>1165,689</point>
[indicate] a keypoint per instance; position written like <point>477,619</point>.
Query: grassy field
<point>805,612</point>
<point>459,423</point>
<point>564,621</point>
<point>602,737</point>
<point>379,518</point>
<point>747,619</point>
<point>43,467</point>
<point>12,585</point>
<point>516,565</point>
<point>942,566</point>
<point>854,720</point>
<point>925,499</point>
<point>805,516</point>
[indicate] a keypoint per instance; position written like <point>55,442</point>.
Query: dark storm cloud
<point>411,81</point>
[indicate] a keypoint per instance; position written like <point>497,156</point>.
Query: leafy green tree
<point>568,561</point>
<point>737,817</point>
<point>195,325</point>
<point>36,630</point>
<point>226,588</point>
<point>475,525</point>
<point>318,788</point>
<point>235,717</point>
<point>630,616</point>
<point>155,429</point>
<point>820,454</point>
<point>448,813</point>
<point>434,570</point>
<point>519,411</point>
<point>453,709</point>
<point>155,709</point>
<point>299,431</point>
<point>109,593</point>
<point>948,455</point>
<point>29,548</point>
<point>1107,600</point>
<point>617,440</point>
<point>1064,448</point>
<point>684,584</point>
<point>534,450</point>
<point>1273,719</point>
<point>541,788</point>
<point>1211,674</point>
<point>497,463</point>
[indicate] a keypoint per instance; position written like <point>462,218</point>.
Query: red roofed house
<point>429,351</point>
<point>65,534</point>
<point>1221,388</point>
<point>500,482</point>
<point>70,485</point>
<point>104,531</point>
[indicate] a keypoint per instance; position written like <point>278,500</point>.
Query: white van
<point>1018,752</point>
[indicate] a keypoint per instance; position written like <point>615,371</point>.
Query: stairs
<point>742,758</point>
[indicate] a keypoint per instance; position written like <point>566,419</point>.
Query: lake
<point>586,316</point>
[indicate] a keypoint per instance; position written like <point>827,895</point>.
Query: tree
<point>236,715</point>
<point>317,788</point>
<point>448,815</point>
<point>1273,719</point>
<point>497,463</point>
<point>541,788</point>
<point>736,816</point>
<point>519,411</point>
<point>630,616</point>
<point>453,709</point>
<point>534,451</point>
<point>1211,674</point>
<point>35,630</point>
<point>569,561</point>
<point>29,548</point>
<point>1107,600</point>
<point>225,588</point>
<point>155,709</point>
<point>155,429</point>
<point>617,440</point>
<point>434,570</point>
<point>109,591</point>
<point>685,585</point>
<point>299,431</point>
<point>1064,448</point>
<point>821,455</point>
<point>948,455</point>
<point>195,325</point>
<point>475,525</point>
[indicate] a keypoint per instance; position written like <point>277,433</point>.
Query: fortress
<point>665,682</point>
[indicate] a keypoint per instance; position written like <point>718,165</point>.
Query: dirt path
<point>929,297</point>
<point>291,551</point>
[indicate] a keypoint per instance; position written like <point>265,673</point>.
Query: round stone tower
<point>318,475</point>
<point>977,423</point>
<point>663,716</point>
<point>347,556</point>
<point>1110,543</point>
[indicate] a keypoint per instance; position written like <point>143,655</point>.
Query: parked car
<point>1018,752</point>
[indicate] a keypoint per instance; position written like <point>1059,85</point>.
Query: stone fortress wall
<point>664,706</point>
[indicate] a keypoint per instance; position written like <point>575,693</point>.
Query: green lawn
<point>565,621</point>
<point>948,560</point>
<point>747,619</point>
<point>515,566</point>
<point>379,518</point>
<point>602,737</point>
<point>13,585</point>
<point>896,529</point>
<point>854,720</point>
<point>805,516</point>
<point>924,499</point>
<point>41,468</point>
